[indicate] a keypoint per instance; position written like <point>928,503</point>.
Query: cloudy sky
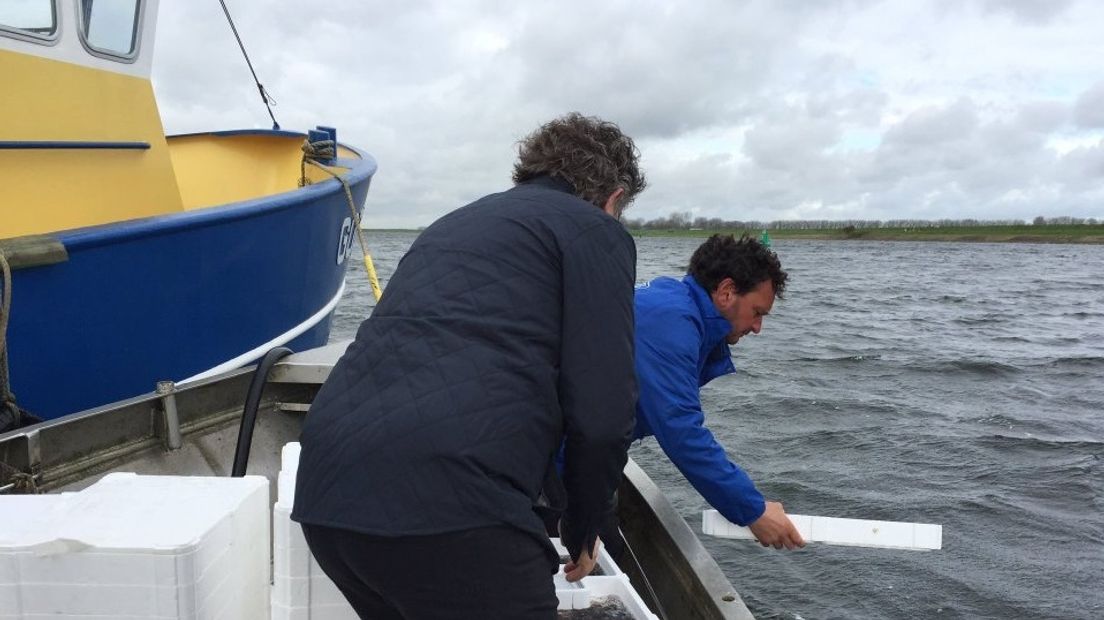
<point>772,109</point>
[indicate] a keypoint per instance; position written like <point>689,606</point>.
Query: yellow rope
<point>6,397</point>
<point>310,150</point>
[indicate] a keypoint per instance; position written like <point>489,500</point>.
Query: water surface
<point>951,383</point>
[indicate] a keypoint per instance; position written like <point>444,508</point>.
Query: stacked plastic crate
<point>133,546</point>
<point>300,590</point>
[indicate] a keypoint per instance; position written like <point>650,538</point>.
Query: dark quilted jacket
<point>506,329</point>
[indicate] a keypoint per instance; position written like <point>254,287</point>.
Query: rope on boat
<point>265,97</point>
<point>18,481</point>
<point>326,149</point>
<point>8,408</point>
<point>12,416</point>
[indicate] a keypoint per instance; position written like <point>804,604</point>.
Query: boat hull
<point>173,297</point>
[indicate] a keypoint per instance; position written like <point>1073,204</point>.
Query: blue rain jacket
<point>680,346</point>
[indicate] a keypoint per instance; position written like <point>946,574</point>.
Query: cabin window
<point>110,27</point>
<point>30,19</point>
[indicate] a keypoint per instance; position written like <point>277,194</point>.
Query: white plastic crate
<point>300,589</point>
<point>843,532</point>
<point>138,547</point>
<point>593,590</point>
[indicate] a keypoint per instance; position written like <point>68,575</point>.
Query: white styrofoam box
<point>314,612</point>
<point>593,591</point>
<point>605,562</point>
<point>570,595</point>
<point>300,589</point>
<point>844,532</point>
<point>23,515</point>
<point>289,456</point>
<point>602,588</point>
<point>291,557</point>
<point>289,466</point>
<point>138,546</point>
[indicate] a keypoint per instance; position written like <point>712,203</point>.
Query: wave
<point>1094,449</point>
<point>1076,363</point>
<point>844,359</point>
<point>953,299</point>
<point>988,319</point>
<point>982,368</point>
<point>999,420</point>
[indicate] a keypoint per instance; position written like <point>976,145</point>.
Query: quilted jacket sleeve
<point>667,362</point>
<point>597,385</point>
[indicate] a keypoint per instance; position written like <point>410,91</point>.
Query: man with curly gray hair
<point>592,155</point>
<point>505,332</point>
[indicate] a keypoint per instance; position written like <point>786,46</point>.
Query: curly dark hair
<point>587,152</point>
<point>747,261</point>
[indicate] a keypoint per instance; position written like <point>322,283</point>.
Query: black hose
<point>252,402</point>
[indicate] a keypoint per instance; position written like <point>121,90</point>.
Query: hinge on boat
<point>169,420</point>
<point>295,407</point>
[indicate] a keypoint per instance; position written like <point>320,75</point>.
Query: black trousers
<point>491,572</point>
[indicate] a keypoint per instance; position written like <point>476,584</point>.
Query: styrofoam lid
<point>27,515</point>
<point>289,456</point>
<point>126,511</point>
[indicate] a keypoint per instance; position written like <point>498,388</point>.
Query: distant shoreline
<point>1082,234</point>
<point>1085,234</point>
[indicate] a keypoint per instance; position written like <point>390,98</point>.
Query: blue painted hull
<point>171,297</point>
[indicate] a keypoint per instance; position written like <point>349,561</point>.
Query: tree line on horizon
<point>686,221</point>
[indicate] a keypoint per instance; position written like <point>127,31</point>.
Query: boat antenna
<point>265,97</point>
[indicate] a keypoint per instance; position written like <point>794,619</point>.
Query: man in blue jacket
<point>683,332</point>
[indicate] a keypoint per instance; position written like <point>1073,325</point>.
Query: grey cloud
<point>933,125</point>
<point>790,144</point>
<point>1043,116</point>
<point>941,161</point>
<point>664,69</point>
<point>1029,11</point>
<point>1089,109</point>
<point>1082,169</point>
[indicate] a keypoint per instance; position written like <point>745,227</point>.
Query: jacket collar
<point>550,182</point>
<point>715,351</point>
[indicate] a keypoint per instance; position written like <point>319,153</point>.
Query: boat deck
<point>135,435</point>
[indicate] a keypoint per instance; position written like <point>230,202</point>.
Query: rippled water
<point>960,384</point>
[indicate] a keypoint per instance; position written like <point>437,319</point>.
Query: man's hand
<point>575,570</point>
<point>774,529</point>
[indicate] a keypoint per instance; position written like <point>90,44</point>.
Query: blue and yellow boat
<point>136,257</point>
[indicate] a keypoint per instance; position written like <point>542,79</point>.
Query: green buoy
<point>765,238</point>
